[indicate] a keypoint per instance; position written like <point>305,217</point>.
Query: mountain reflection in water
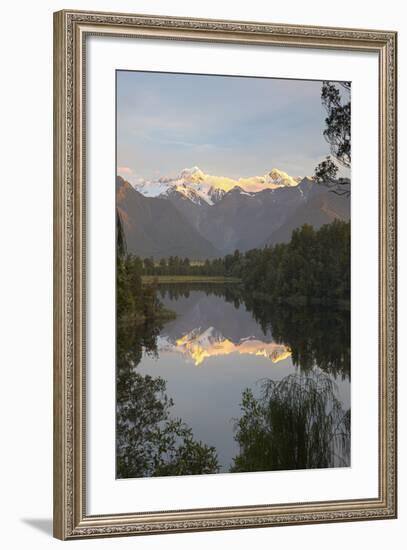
<point>199,345</point>
<point>242,345</point>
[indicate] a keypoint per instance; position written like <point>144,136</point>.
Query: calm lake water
<point>222,343</point>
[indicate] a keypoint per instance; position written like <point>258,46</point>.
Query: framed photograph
<point>225,274</point>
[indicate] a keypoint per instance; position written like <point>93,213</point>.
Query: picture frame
<point>72,30</point>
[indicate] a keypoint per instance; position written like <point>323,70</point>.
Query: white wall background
<point>26,270</point>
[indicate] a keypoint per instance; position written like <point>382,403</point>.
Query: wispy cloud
<point>226,125</point>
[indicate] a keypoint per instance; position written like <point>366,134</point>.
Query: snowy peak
<point>280,178</point>
<point>193,174</point>
<point>194,194</point>
<point>154,188</point>
<point>201,188</point>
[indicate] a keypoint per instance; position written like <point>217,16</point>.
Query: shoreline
<point>173,279</point>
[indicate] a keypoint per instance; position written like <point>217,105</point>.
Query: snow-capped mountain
<point>201,188</point>
<point>200,216</point>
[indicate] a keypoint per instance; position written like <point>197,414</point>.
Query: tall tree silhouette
<point>338,134</point>
<point>120,236</point>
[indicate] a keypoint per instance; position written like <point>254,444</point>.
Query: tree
<point>296,423</point>
<point>120,236</point>
<point>338,134</point>
<point>163,266</point>
<point>150,441</point>
<point>149,266</point>
<point>313,267</point>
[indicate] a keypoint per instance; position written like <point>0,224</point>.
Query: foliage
<point>323,339</point>
<point>317,336</point>
<point>149,441</point>
<point>295,423</point>
<point>338,134</point>
<point>337,131</point>
<point>313,266</point>
<point>136,302</point>
<point>174,265</point>
<point>120,236</point>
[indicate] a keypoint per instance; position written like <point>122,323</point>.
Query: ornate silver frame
<point>70,31</point>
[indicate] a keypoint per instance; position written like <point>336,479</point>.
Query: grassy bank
<point>169,279</point>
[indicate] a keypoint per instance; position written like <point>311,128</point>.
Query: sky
<point>227,126</point>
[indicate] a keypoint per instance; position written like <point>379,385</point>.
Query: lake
<point>222,343</point>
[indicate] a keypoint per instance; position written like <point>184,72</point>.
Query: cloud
<point>125,170</point>
<point>231,125</point>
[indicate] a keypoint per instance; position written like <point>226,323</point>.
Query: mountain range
<point>203,216</point>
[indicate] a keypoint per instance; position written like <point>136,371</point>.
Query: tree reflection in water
<point>295,423</point>
<point>316,335</point>
<point>149,441</point>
